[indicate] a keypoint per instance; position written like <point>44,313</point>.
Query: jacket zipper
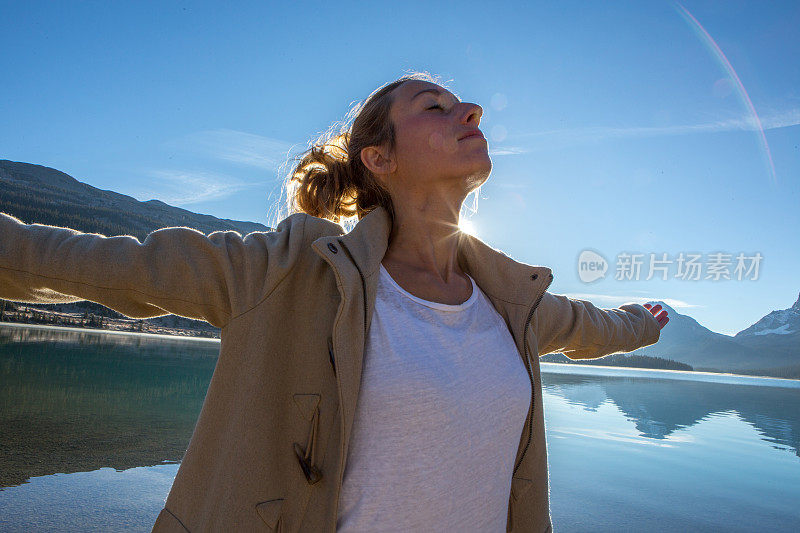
<point>333,359</point>
<point>363,281</point>
<point>530,374</point>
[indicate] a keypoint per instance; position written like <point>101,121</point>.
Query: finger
<point>656,308</point>
<point>662,314</point>
<point>664,323</point>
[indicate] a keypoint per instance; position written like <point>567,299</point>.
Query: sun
<point>466,226</point>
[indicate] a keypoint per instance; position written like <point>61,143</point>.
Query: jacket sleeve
<point>175,270</point>
<point>580,330</point>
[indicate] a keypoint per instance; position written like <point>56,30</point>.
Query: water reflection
<point>76,401</point>
<point>658,407</point>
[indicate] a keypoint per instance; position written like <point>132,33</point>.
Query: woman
<point>381,379</point>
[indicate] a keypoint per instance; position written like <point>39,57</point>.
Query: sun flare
<point>466,226</point>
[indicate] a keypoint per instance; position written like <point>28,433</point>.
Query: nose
<point>472,114</point>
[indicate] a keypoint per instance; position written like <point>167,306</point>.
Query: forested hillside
<point>43,195</point>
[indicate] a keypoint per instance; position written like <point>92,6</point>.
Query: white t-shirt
<point>442,406</point>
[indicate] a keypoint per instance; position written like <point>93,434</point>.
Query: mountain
<point>771,345</point>
<point>687,341</point>
<point>776,336</point>
<point>35,193</point>
<point>43,195</point>
<point>782,322</point>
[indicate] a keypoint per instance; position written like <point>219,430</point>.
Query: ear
<point>378,160</point>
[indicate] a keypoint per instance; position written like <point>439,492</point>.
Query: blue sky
<point>616,127</point>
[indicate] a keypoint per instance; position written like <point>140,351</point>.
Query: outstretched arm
<point>580,330</point>
<point>175,270</point>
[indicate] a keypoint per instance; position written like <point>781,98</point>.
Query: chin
<point>484,170</point>
<point>479,177</point>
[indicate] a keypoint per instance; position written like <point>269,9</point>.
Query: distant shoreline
<point>668,372</point>
<point>163,336</point>
<point>34,316</point>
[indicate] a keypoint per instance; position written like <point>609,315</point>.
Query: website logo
<point>591,266</point>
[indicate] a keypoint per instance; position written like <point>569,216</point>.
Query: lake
<point>94,424</point>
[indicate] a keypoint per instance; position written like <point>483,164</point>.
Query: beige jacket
<point>294,305</point>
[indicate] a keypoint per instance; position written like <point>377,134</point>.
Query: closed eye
<point>435,106</point>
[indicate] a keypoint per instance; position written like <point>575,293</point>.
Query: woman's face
<point>437,140</point>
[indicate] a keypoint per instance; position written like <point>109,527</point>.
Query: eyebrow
<point>437,92</point>
<point>434,91</point>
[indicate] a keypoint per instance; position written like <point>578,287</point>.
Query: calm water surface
<point>93,426</point>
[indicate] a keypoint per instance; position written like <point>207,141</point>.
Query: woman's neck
<point>424,239</point>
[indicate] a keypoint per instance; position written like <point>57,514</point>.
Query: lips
<point>471,133</point>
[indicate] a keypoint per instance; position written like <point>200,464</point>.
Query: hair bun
<point>329,180</point>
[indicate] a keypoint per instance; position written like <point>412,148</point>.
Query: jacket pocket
<point>270,513</point>
<point>308,405</point>
<point>168,523</point>
<point>519,486</point>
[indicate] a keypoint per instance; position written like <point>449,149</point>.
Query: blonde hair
<point>329,179</point>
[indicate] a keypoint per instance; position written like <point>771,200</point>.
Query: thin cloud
<point>786,119</point>
<point>182,187</point>
<point>597,133</point>
<point>614,301</point>
<point>510,150</point>
<point>234,146</point>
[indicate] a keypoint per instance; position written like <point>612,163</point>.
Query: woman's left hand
<point>661,317</point>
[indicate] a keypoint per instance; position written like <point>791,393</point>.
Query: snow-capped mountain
<point>771,344</point>
<point>776,337</point>
<point>782,322</point>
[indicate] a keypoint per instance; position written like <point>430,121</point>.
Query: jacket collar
<point>495,273</point>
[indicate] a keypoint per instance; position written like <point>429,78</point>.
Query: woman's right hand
<point>661,317</point>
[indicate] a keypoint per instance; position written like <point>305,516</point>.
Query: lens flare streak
<point>745,98</point>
